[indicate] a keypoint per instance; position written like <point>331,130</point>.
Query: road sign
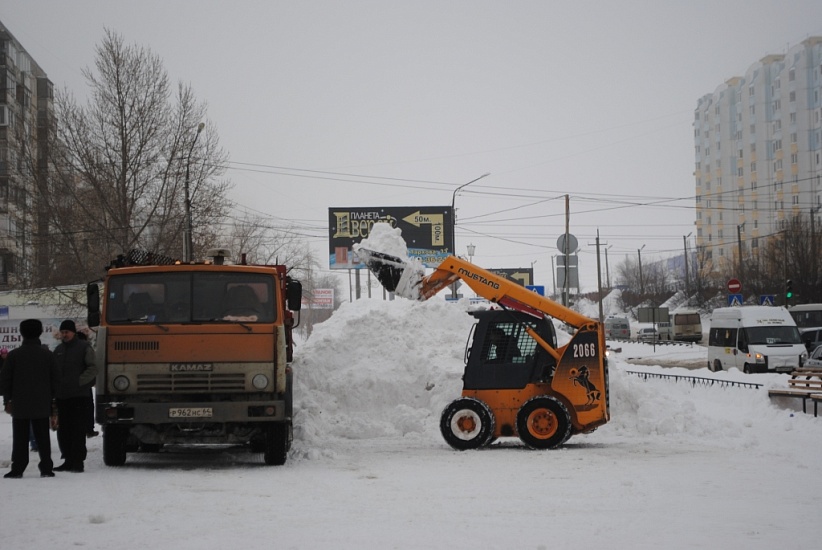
<point>767,299</point>
<point>734,286</point>
<point>572,243</point>
<point>735,300</point>
<point>539,289</point>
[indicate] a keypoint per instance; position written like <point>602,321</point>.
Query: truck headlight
<point>760,358</point>
<point>260,381</point>
<point>121,383</point>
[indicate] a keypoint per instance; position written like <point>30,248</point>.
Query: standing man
<point>28,382</point>
<point>78,371</point>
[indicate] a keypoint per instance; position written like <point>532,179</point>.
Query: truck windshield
<point>190,297</point>
<point>773,335</point>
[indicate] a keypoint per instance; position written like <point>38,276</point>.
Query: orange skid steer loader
<point>517,382</point>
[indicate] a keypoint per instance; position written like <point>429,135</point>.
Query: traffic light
<point>788,289</point>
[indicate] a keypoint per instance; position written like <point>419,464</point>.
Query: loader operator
<point>505,347</point>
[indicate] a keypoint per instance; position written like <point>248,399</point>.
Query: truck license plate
<point>190,412</point>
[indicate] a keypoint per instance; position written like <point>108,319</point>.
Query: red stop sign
<point>734,286</point>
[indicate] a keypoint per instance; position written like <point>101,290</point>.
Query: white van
<point>617,328</point>
<point>754,339</point>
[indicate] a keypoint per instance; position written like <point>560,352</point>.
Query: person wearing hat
<point>28,382</point>
<point>78,371</point>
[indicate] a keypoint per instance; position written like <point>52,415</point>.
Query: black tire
<point>277,443</point>
<point>467,423</point>
<point>543,423</point>
<point>717,365</point>
<point>746,368</point>
<point>114,445</point>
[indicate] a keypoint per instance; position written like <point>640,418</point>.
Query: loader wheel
<point>543,423</point>
<point>467,423</point>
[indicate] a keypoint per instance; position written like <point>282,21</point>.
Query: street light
<point>454,212</point>
<point>471,250</point>
<point>188,246</point>
<point>454,224</point>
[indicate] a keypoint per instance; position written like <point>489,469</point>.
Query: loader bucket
<point>387,268</point>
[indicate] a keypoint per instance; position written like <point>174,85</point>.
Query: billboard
<point>427,231</point>
<point>319,298</point>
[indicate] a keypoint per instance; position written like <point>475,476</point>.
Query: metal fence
<point>697,380</point>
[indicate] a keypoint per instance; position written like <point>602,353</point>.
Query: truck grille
<point>190,382</point>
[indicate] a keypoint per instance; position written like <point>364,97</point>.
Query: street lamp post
<point>471,249</point>
<point>454,223</point>
<point>188,246</point>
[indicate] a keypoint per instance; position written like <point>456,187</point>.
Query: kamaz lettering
<point>192,367</point>
<point>479,278</point>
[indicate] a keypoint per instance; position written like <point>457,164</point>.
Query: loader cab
<point>502,355</point>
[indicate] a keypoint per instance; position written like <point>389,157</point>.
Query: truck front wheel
<point>114,445</point>
<point>277,443</point>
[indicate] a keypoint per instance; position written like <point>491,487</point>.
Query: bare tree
<point>122,162</point>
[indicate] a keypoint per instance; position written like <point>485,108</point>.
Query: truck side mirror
<point>93,304</point>
<point>294,294</point>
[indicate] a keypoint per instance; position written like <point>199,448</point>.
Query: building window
<point>740,172</point>
<point>795,200</point>
<point>753,168</point>
<point>792,97</point>
<point>794,158</point>
<point>791,74</point>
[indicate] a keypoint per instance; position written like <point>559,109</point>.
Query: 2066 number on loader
<point>517,381</point>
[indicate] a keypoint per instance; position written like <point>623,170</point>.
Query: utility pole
<point>567,289</point>
<point>641,285</point>
<point>739,246</point>
<point>599,281</point>
<point>607,271</point>
<point>687,276</point>
<point>188,245</point>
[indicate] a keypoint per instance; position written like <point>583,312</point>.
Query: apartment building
<point>758,153</point>
<point>26,121</point>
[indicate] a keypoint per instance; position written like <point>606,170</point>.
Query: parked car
<point>815,360</point>
<point>647,334</point>
<point>812,338</point>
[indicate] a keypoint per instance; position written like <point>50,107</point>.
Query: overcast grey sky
<point>401,102</point>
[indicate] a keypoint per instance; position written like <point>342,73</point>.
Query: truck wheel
<point>467,423</point>
<point>543,423</point>
<point>717,365</point>
<point>276,444</point>
<point>114,445</point>
<point>746,368</point>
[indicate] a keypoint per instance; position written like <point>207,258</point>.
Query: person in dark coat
<point>78,371</point>
<point>28,382</point>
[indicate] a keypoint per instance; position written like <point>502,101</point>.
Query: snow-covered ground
<point>678,466</point>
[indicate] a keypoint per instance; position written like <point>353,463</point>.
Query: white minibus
<point>687,325</point>
<point>754,339</point>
